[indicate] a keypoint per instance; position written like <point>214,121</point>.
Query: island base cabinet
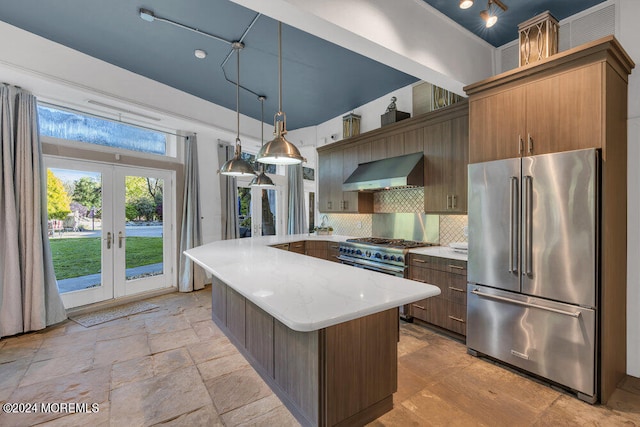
<point>342,375</point>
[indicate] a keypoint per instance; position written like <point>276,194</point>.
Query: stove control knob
<point>358,252</point>
<point>368,254</point>
<point>378,255</point>
<point>341,249</point>
<point>386,256</point>
<point>392,258</point>
<point>400,258</point>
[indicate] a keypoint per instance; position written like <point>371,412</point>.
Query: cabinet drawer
<point>427,310</point>
<point>456,317</point>
<point>425,261</point>
<point>283,246</point>
<point>455,266</point>
<point>427,275</point>
<point>456,289</point>
<point>333,251</point>
<point>297,247</point>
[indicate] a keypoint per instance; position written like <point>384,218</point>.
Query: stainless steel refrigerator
<point>533,265</point>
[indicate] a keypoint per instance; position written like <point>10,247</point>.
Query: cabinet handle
<point>448,201</point>
<point>419,306</point>
<point>454,199</point>
<point>456,289</point>
<point>520,144</point>
<point>329,205</point>
<point>342,205</point>
<point>419,260</point>
<point>457,267</point>
<point>457,319</point>
<point>529,143</point>
<point>297,246</point>
<point>334,247</point>
<point>418,280</point>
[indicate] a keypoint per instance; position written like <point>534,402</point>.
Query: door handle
<point>120,237</point>
<point>575,314</point>
<point>513,225</point>
<point>109,240</point>
<point>527,211</point>
<point>520,144</point>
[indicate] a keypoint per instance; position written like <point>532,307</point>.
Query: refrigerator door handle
<point>527,225</point>
<point>513,226</point>
<point>575,314</point>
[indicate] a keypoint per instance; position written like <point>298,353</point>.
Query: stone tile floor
<point>172,366</point>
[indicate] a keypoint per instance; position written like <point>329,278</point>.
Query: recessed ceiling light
<point>466,4</point>
<point>200,54</point>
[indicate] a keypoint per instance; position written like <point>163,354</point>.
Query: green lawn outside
<point>81,257</point>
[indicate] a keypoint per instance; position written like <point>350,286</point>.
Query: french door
<point>110,229</point>
<point>260,211</point>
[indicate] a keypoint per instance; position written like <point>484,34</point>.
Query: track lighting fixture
<point>489,15</point>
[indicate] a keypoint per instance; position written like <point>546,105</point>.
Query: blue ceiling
<point>518,11</point>
<point>320,80</point>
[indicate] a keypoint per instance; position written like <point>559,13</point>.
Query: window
<point>74,126</point>
<point>251,159</point>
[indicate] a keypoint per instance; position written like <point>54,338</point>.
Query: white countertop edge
<point>301,307</point>
<point>441,252</point>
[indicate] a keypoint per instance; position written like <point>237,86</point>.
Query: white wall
<point>628,34</point>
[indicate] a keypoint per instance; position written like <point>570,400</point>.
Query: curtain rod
<point>62,107</point>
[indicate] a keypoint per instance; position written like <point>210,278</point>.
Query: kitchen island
<point>323,335</point>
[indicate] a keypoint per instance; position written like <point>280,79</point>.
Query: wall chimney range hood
<point>393,172</point>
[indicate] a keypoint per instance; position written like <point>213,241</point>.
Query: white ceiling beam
<point>408,35</point>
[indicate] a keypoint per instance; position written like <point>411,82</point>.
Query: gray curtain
<point>229,195</point>
<point>29,297</point>
<point>297,220</point>
<point>191,276</point>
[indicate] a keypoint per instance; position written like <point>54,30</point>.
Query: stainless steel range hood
<point>401,171</point>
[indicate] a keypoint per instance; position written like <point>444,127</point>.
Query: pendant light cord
<point>238,97</point>
<point>280,67</point>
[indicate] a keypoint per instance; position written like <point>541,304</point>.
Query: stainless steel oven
<point>382,255</point>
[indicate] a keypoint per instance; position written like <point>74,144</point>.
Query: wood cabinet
<point>333,168</point>
<point>317,249</point>
<point>441,135</point>
<point>555,111</point>
<point>572,100</point>
<point>333,251</point>
<point>298,247</point>
<point>446,148</point>
<point>449,309</point>
<point>343,374</point>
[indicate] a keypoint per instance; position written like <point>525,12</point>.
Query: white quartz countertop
<point>303,292</point>
<point>440,251</point>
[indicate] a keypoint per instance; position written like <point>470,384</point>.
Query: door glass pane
<point>74,206</point>
<point>143,235</point>
<point>244,211</point>
<point>269,204</point>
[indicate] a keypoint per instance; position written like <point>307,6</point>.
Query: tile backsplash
<point>394,201</point>
<point>452,229</point>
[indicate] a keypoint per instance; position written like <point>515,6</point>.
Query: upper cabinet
<point>550,106</point>
<point>446,151</point>
<point>442,135</point>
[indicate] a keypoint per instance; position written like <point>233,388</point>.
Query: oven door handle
<point>370,266</point>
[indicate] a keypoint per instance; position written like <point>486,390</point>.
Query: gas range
<point>378,254</point>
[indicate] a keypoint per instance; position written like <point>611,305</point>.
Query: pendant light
<point>279,151</point>
<point>262,180</point>
<point>237,166</point>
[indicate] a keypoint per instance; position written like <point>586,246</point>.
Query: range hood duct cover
<point>401,171</point>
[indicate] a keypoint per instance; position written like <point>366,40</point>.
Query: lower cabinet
<point>298,247</point>
<point>341,375</point>
<point>317,249</point>
<point>449,309</point>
